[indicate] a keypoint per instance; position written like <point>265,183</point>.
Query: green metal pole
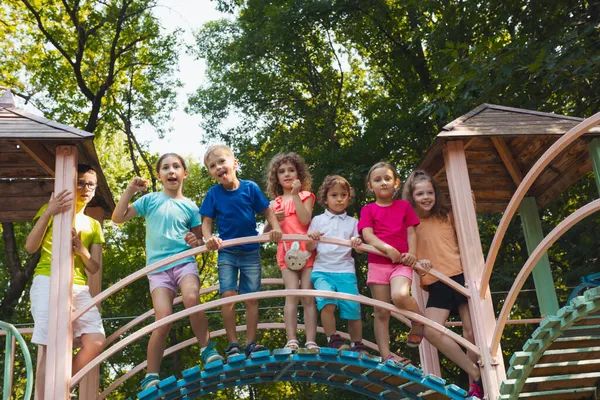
<point>594,150</point>
<point>8,367</point>
<point>11,332</point>
<point>542,276</point>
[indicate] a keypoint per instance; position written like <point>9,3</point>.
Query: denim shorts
<point>341,283</point>
<point>245,264</point>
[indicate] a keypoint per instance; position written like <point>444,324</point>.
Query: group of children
<point>416,229</point>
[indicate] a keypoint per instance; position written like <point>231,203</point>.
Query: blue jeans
<point>246,263</point>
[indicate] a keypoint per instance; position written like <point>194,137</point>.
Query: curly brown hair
<point>329,182</point>
<point>440,209</point>
<point>274,188</point>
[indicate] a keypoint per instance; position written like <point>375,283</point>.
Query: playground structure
<point>501,153</point>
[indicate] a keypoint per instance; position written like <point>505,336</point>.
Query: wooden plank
<point>558,382</point>
<point>23,172</point>
<point>495,108</point>
<point>9,146</point>
<point>576,342</point>
<point>552,129</point>
<point>16,216</point>
<point>566,368</point>
<point>21,158</point>
<point>24,203</point>
<point>511,165</point>
<point>491,207</point>
<point>572,154</point>
<point>567,394</point>
<point>553,356</point>
<point>482,157</point>
<point>37,188</point>
<point>533,151</point>
<point>563,181</point>
<point>40,154</point>
<point>486,121</point>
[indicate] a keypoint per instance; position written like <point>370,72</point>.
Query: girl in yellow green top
<point>88,332</point>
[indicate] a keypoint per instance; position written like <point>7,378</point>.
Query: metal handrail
<point>11,335</point>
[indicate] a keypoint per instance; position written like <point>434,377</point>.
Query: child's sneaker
<point>253,347</point>
<point>359,347</point>
<point>233,349</point>
<point>336,342</point>
<point>209,354</point>
<point>475,389</point>
<point>149,381</point>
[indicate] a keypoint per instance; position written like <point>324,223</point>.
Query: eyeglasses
<point>88,185</point>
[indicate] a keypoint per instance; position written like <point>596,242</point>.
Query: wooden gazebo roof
<point>502,144</point>
<point>27,161</point>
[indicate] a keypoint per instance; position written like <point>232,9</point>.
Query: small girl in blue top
<point>170,217</point>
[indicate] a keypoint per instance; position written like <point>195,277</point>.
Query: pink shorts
<point>171,277</point>
<point>382,274</point>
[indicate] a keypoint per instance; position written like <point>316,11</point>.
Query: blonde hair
<point>274,188</point>
<point>214,148</point>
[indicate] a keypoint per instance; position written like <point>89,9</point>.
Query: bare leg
<point>400,292</point>
<point>91,346</point>
<point>448,346</point>
<point>381,324</point>
<point>251,320</point>
<point>162,300</point>
<point>465,316</point>
<point>40,373</point>
<point>355,330</point>
<point>190,292</point>
<point>228,313</point>
<point>309,305</point>
<point>290,310</point>
<point>328,319</point>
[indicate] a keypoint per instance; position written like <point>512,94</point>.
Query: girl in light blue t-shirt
<point>171,221</point>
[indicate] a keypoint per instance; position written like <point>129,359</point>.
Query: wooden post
<point>542,275</point>
<point>594,150</point>
<point>430,361</point>
<point>90,384</point>
<point>59,355</point>
<point>471,255</point>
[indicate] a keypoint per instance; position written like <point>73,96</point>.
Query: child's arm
<point>91,258</point>
<point>409,257</point>
<point>355,242</point>
<point>279,214</point>
<point>314,235</point>
<point>389,251</point>
<point>194,238</point>
<point>303,210</point>
<point>56,205</point>
<point>275,233</point>
<point>124,211</point>
<point>212,242</point>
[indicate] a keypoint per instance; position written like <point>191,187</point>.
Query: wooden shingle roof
<point>27,160</point>
<point>502,144</point>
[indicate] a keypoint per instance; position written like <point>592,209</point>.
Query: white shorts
<point>90,322</point>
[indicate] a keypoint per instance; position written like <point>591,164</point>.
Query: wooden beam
<point>40,154</point>
<point>443,169</point>
<point>30,188</point>
<point>16,216</point>
<point>59,348</point>
<point>509,162</point>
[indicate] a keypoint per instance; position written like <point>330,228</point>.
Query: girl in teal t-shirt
<point>170,217</point>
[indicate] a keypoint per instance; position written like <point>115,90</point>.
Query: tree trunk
<point>18,275</point>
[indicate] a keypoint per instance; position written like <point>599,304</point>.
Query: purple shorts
<point>382,274</point>
<point>171,277</point>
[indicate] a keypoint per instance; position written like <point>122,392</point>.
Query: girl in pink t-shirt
<point>389,226</point>
<point>288,182</point>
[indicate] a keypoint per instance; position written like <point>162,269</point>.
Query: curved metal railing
<point>11,335</point>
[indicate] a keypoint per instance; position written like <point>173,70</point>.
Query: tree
<point>104,67</point>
